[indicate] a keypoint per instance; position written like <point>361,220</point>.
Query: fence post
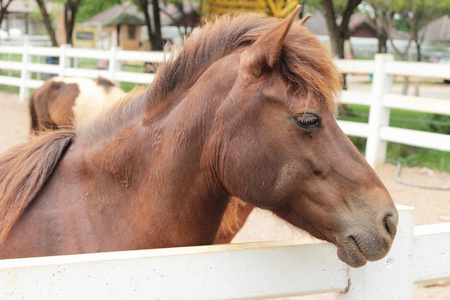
<point>379,115</point>
<point>390,277</point>
<point>64,60</point>
<point>24,91</point>
<point>114,63</point>
<point>10,58</point>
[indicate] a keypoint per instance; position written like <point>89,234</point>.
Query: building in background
<point>124,25</point>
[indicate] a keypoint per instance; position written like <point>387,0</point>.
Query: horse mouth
<point>351,253</point>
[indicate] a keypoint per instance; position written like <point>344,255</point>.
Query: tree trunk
<point>70,12</point>
<point>4,10</point>
<point>157,42</point>
<point>47,22</point>
<point>338,34</point>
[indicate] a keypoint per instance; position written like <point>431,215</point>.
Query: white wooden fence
<point>258,270</point>
<point>381,100</point>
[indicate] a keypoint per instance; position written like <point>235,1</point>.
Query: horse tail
<point>24,169</point>
<point>33,115</point>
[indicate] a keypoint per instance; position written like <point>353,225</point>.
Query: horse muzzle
<point>368,240</point>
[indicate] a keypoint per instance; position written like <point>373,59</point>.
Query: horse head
<point>277,145</point>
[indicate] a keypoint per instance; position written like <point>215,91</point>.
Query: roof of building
<point>437,30</point>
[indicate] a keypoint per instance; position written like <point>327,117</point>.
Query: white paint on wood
<point>45,51</point>
<point>150,56</point>
<point>431,252</point>
<point>354,128</point>
<point>422,104</point>
<point>418,69</point>
<point>416,138</point>
<point>11,65</point>
<point>210,272</point>
<point>356,98</point>
<point>355,66</point>
<point>142,78</point>
<point>378,115</point>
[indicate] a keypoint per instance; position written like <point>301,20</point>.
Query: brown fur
<point>24,169</point>
<point>104,82</point>
<point>222,119</point>
<point>51,106</point>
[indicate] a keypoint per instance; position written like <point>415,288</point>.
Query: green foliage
<point>339,5</point>
<point>88,9</point>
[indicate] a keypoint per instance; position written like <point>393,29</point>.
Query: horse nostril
<point>390,225</point>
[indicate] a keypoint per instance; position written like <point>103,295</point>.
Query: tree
<point>338,33</point>
<point>154,34</point>
<point>380,20</point>
<point>70,12</point>
<point>88,9</point>
<point>4,4</point>
<point>47,22</point>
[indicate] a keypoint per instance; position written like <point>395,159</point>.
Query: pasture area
<point>432,206</point>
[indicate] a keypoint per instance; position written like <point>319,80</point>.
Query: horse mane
<point>305,63</point>
<point>24,169</point>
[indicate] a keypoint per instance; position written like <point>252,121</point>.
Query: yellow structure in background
<point>277,8</point>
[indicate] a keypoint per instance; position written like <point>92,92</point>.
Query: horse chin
<point>355,259</point>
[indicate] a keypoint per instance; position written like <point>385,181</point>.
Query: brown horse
<point>246,110</point>
<point>60,101</point>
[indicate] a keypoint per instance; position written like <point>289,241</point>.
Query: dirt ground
<point>431,206</point>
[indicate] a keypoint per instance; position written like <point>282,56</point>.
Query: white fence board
<point>14,81</point>
<point>354,128</point>
<point>44,68</point>
<point>431,252</point>
<point>44,51</point>
<point>416,138</point>
<point>11,65</point>
<point>11,49</point>
<point>86,53</point>
<point>150,56</point>
<point>212,272</point>
<point>355,66</point>
<point>356,98</point>
<point>418,69</point>
<point>134,77</point>
<point>73,72</point>
<point>422,104</point>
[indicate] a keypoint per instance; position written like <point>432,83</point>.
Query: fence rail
<point>380,99</point>
<point>236,271</point>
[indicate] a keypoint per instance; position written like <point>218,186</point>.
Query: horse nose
<point>389,221</point>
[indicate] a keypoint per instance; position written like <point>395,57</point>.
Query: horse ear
<point>266,50</point>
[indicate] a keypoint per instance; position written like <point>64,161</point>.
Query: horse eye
<point>307,120</point>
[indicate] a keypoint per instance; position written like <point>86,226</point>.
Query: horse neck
<point>167,170</point>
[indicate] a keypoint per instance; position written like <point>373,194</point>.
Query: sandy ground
<point>431,206</point>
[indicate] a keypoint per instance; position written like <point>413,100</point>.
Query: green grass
<point>407,155</point>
